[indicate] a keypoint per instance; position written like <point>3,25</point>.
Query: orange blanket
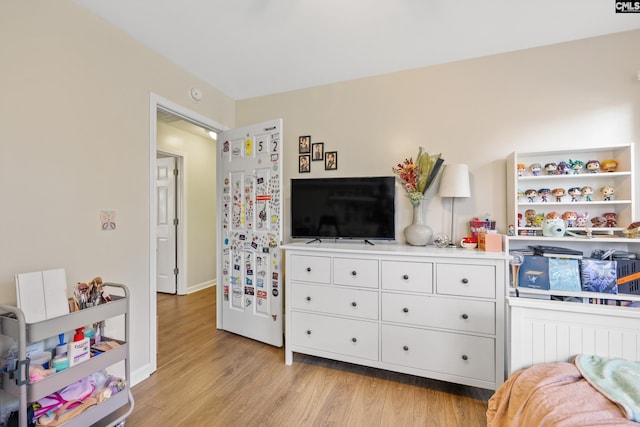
<point>552,395</point>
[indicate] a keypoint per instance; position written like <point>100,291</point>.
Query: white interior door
<point>166,266</point>
<point>250,232</point>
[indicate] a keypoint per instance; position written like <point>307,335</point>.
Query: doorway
<point>161,107</point>
<point>169,257</point>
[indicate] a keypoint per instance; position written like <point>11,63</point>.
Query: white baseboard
<point>140,375</point>
<point>200,286</point>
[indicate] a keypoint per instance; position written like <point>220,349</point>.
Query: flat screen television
<point>344,208</point>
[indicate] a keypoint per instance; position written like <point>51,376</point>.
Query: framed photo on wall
<point>331,160</point>
<point>304,163</point>
<point>317,151</point>
<point>304,144</point>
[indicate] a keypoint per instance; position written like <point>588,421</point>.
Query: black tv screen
<point>344,208</point>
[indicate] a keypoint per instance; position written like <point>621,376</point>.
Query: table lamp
<point>454,183</point>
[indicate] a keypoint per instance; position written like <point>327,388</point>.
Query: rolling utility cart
<point>107,413</point>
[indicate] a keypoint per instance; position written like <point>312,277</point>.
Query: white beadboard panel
<point>541,333</point>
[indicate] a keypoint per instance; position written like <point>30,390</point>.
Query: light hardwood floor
<point>209,377</point>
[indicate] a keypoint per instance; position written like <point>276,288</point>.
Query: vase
<point>418,233</point>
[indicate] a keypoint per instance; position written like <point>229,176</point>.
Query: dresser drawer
<point>334,300</point>
<point>355,272</point>
<point>407,276</point>
<point>355,338</point>
<point>466,280</point>
<point>454,354</point>
<point>305,268</point>
<point>439,312</point>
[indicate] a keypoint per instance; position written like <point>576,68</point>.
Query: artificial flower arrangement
<point>417,177</point>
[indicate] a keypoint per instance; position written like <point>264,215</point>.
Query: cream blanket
<point>555,395</point>
<point>617,379</point>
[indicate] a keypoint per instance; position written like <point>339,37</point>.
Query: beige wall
<point>74,140</point>
<point>74,123</point>
<point>578,94</point>
<point>199,158</point>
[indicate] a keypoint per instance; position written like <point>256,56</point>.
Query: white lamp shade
<point>455,181</point>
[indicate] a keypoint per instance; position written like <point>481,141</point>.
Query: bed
<point>589,391</point>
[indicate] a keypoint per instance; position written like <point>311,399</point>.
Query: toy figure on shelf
<point>570,218</point>
<point>553,215</point>
<point>575,192</point>
<point>598,221</point>
<point>607,192</point>
<point>558,193</point>
<point>544,194</point>
<point>593,166</point>
<point>531,195</point>
<point>521,168</point>
<point>511,230</point>
<point>520,194</point>
<point>519,220</point>
<point>633,230</point>
<point>529,217</point>
<point>535,169</point>
<point>538,220</point>
<point>563,168</point>
<point>550,168</point>
<point>609,165</point>
<point>587,191</point>
<point>581,220</point>
<point>576,166</point>
<point>612,219</point>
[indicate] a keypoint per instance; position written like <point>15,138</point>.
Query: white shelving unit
<point>540,329</point>
<point>12,324</point>
<point>622,180</point>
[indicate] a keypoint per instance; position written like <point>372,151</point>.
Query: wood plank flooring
<point>209,377</point>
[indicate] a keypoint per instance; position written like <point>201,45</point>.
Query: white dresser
<point>436,313</point>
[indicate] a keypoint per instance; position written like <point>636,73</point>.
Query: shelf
<point>578,203</point>
<point>13,325</point>
<point>96,414</point>
<point>560,178</point>
<point>63,378</point>
<point>566,239</point>
<point>51,327</point>
<point>597,295</point>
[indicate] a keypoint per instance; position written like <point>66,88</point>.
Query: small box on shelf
<point>490,242</point>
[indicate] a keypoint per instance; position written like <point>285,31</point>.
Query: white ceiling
<point>248,48</point>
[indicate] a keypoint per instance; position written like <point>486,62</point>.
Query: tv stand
<point>314,240</point>
<point>369,242</point>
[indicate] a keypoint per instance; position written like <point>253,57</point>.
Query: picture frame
<point>317,151</point>
<point>331,160</point>
<point>304,163</point>
<point>304,144</point>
